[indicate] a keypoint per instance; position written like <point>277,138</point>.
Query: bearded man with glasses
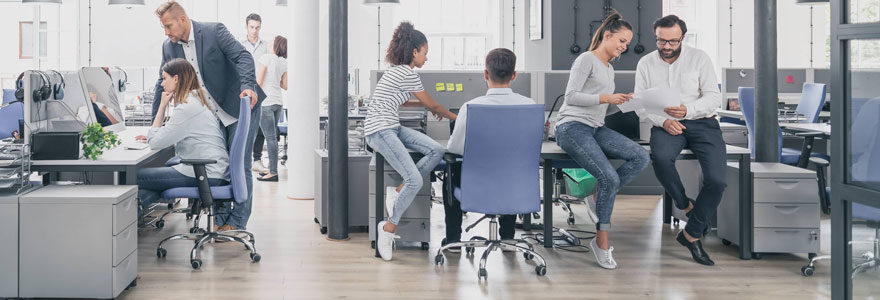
<point>691,125</point>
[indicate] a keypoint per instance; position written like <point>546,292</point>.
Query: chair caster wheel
<point>170,206</point>
<point>323,230</point>
<point>255,257</point>
<point>373,244</point>
<point>316,221</point>
<point>161,252</point>
<point>483,273</point>
<point>189,216</point>
<point>132,284</point>
<point>725,242</point>
<point>528,256</point>
<point>811,256</point>
<point>438,260</point>
<point>756,256</point>
<point>469,250</point>
<point>541,270</point>
<point>675,221</point>
<point>160,224</point>
<point>425,246</point>
<point>196,263</point>
<point>570,221</point>
<point>807,271</point>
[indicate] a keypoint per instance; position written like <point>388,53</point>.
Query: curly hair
<point>405,39</point>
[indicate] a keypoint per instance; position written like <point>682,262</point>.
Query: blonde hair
<point>171,6</point>
<point>613,23</point>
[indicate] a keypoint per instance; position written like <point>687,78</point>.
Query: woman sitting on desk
<point>193,130</point>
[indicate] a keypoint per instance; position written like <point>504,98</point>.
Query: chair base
<point>494,243</point>
<point>209,236</point>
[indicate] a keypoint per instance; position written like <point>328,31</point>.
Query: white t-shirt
<point>393,89</point>
<point>275,68</point>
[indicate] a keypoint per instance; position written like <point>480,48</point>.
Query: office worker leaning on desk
<point>692,125</point>
<point>193,130</point>
<point>580,129</point>
<point>408,49</point>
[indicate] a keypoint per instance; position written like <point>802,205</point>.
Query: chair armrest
<point>818,161</point>
<point>809,134</point>
<point>198,161</point>
<point>450,158</point>
<point>173,161</point>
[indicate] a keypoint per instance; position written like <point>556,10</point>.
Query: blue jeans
<point>592,148</point>
<point>703,137</point>
<point>269,126</point>
<point>237,216</point>
<point>392,143</point>
<point>153,181</point>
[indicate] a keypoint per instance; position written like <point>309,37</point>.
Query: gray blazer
<point>226,66</point>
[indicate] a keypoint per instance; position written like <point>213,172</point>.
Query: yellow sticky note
<point>450,87</point>
<point>440,87</point>
<point>459,87</point>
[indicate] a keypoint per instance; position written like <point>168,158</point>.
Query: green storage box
<point>583,182</point>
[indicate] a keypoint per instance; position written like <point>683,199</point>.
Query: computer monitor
<point>103,93</point>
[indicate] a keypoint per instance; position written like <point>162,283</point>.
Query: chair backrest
<point>865,142</point>
<point>747,106</point>
<point>502,152</point>
<point>812,100</point>
<point>10,115</point>
<point>236,152</point>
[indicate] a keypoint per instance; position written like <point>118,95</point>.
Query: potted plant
<point>95,139</point>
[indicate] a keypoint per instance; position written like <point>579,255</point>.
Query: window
<point>864,11</point>
<point>864,147</point>
<point>26,40</point>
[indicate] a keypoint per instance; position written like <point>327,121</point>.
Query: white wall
<point>537,53</point>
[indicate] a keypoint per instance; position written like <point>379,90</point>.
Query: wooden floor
<point>300,263</point>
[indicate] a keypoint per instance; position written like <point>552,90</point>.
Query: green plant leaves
<point>95,139</point>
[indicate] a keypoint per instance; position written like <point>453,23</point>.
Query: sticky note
<point>789,79</point>
<point>450,87</point>
<point>440,86</point>
<point>459,87</point>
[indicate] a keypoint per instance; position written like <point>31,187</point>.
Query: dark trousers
<point>452,208</point>
<point>703,138</point>
<point>258,145</point>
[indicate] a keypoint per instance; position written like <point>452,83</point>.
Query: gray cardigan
<point>588,79</point>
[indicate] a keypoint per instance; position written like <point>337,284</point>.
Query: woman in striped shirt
<point>408,50</point>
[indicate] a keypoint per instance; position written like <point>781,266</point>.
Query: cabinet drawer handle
<point>785,231</point>
<point>786,209</point>
<point>786,184</point>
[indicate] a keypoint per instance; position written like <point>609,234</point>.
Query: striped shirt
<point>393,90</point>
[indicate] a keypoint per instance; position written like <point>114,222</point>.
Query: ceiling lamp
<point>380,2</point>
<point>127,3</point>
<point>281,2</point>
<point>41,1</point>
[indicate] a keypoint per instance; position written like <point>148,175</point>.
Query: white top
<point>692,73</point>
<point>393,90</point>
<point>589,78</point>
<point>257,50</point>
<point>189,52</point>
<point>275,68</point>
<point>195,134</point>
<point>504,96</point>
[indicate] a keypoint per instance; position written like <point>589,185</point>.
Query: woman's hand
<point>141,138</point>
<point>615,99</point>
<point>166,98</point>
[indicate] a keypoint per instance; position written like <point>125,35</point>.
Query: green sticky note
<point>450,87</point>
<point>459,87</point>
<point>440,87</point>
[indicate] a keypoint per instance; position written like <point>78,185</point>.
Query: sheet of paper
<point>652,101</point>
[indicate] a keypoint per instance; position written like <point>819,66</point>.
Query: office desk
<point>824,116</point>
<point>823,128</point>
<point>117,159</point>
<point>551,151</point>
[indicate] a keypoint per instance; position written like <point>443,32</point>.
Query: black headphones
<point>39,94</point>
<point>58,88</point>
<point>122,82</point>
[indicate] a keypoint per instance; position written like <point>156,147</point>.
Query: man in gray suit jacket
<point>226,72</point>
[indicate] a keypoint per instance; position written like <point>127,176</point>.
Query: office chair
<point>159,222</point>
<point>236,190</point>
<point>10,115</point>
<point>499,174</point>
<point>282,132</point>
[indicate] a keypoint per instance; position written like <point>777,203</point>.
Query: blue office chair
<point>812,100</point>
<point>282,132</point>
<point>499,174</point>
<point>10,115</point>
<point>236,190</point>
<point>787,156</point>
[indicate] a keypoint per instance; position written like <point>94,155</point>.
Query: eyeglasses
<point>661,42</point>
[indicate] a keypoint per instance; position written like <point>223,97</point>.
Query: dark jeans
<point>237,216</point>
<point>258,145</point>
<point>452,208</point>
<point>703,137</point>
<point>153,181</point>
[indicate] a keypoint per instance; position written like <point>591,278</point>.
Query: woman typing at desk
<point>193,130</point>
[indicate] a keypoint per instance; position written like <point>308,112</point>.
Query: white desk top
<point>824,128</point>
<point>739,115</point>
<point>551,148</point>
<point>115,156</point>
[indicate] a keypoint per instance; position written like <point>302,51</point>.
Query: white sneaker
<point>258,167</point>
<point>591,209</point>
<point>391,195</point>
<point>603,257</point>
<point>385,244</point>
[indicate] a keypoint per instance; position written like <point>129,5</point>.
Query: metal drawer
<point>124,273</point>
<point>796,215</point>
<point>124,243</point>
<point>786,240</point>
<point>785,190</point>
<point>409,230</point>
<point>124,213</point>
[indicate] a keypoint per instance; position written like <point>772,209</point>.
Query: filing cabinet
<point>358,167</point>
<point>415,224</point>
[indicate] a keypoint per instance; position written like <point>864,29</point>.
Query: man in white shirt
<point>500,65</point>
<point>257,47</point>
<point>691,125</point>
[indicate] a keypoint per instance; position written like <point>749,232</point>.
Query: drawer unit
<point>796,215</point>
<point>786,240</point>
<point>392,178</point>
<point>410,230</point>
<point>124,243</point>
<point>786,190</point>
<point>358,192</point>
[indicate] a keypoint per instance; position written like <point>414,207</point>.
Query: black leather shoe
<point>272,179</point>
<point>696,249</point>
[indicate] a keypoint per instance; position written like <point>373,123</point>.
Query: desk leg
<point>667,208</point>
<point>380,196</point>
<point>548,203</point>
<point>129,177</point>
<point>745,207</point>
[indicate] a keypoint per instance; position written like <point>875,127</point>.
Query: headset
<point>58,88</point>
<point>39,94</point>
<point>124,81</point>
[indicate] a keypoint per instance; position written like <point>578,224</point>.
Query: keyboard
<point>135,146</point>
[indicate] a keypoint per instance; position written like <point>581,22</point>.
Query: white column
<point>302,54</point>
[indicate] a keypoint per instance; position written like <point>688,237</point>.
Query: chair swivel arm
<point>451,158</point>
<point>820,162</point>
<point>201,181</point>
